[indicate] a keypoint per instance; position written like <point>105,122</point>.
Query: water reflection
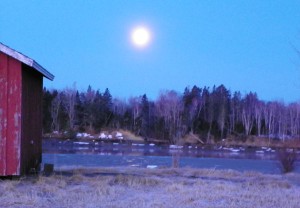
<point>135,149</point>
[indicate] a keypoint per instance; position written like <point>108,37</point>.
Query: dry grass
<point>131,136</point>
<point>191,139</point>
<point>255,141</point>
<point>135,188</point>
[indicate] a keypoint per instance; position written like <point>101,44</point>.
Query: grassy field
<point>138,187</point>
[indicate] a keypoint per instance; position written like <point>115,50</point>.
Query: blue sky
<point>245,45</point>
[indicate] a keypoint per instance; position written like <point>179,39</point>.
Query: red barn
<point>21,88</point>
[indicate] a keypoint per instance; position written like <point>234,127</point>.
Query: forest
<point>212,114</point>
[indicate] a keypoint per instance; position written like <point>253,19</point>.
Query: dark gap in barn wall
<point>31,141</point>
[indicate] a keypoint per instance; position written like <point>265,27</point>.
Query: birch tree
<point>258,114</point>
<point>135,104</point>
<point>248,112</point>
<point>55,109</point>
<point>69,102</point>
<point>169,106</point>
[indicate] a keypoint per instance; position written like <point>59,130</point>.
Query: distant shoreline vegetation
<point>204,115</point>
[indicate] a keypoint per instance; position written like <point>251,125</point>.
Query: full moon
<point>140,36</point>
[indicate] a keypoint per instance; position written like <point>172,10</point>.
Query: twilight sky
<point>247,45</point>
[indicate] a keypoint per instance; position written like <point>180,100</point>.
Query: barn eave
<point>25,60</point>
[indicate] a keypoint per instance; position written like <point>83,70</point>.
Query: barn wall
<point>32,86</point>
<point>10,115</point>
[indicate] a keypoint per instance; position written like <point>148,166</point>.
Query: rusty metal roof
<point>25,60</point>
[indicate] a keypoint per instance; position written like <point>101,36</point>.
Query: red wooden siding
<point>31,152</point>
<point>10,115</point>
<point>21,83</point>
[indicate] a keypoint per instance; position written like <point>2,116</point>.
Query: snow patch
<point>151,166</point>
<point>172,146</point>
<point>82,143</point>
<point>103,136</point>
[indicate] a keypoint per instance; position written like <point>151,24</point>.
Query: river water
<point>100,154</point>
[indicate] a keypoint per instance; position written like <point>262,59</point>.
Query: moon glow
<point>140,37</point>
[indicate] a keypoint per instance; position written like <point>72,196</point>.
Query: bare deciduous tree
<point>135,103</point>
<point>169,106</point>
<point>269,117</point>
<point>258,114</point>
<point>55,108</point>
<point>248,112</point>
<point>69,102</point>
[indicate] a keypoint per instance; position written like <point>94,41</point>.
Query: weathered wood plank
<point>13,142</point>
<point>3,111</point>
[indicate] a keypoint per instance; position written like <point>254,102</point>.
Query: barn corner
<point>21,85</point>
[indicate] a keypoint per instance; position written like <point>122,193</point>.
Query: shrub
<point>287,158</point>
<point>70,134</point>
<point>175,160</point>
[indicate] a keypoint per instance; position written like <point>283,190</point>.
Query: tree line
<point>211,113</point>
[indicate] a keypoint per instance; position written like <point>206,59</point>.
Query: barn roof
<point>25,60</point>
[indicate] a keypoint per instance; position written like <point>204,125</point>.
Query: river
<point>101,154</point>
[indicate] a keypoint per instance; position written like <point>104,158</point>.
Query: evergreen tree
<point>47,119</point>
<point>145,116</point>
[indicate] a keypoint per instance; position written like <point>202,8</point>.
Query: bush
<point>70,134</point>
<point>287,158</point>
<point>175,160</point>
